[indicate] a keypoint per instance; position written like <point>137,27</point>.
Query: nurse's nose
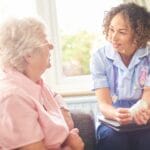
<point>114,36</point>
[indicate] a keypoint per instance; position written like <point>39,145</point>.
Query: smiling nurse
<point>121,69</point>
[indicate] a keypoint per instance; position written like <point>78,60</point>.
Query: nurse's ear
<point>134,43</point>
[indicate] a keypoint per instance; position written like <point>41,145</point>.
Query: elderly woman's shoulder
<point>9,89</point>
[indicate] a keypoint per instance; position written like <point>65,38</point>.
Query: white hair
<point>19,37</point>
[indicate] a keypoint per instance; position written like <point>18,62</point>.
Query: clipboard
<point>122,128</point>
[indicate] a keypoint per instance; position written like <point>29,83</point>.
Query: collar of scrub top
<point>115,57</point>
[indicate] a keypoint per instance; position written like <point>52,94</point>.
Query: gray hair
<point>19,37</point>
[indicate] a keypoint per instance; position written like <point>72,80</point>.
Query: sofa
<point>84,121</point>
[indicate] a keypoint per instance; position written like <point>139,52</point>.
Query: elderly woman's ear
<point>28,58</point>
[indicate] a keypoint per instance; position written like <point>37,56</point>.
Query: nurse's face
<point>121,35</point>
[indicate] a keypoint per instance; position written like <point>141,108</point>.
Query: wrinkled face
<point>121,35</point>
<point>43,57</point>
<point>40,60</point>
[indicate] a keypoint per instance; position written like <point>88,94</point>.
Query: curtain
<point>145,3</point>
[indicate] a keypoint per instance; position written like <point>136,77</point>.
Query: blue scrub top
<point>108,70</point>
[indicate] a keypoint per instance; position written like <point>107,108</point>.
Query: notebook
<point>122,128</point>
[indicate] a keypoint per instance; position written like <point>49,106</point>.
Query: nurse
<point>120,72</point>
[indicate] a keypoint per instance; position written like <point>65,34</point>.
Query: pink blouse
<point>28,113</point>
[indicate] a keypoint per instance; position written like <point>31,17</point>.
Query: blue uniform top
<point>108,70</point>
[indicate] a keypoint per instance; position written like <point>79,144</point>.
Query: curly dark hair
<point>138,18</point>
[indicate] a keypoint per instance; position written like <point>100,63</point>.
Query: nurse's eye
<point>123,33</point>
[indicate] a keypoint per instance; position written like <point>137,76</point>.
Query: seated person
<point>120,72</point>
<point>31,117</point>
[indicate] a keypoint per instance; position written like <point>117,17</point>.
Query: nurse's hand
<point>140,112</point>
<point>142,116</point>
<point>123,116</point>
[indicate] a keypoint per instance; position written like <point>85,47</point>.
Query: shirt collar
<point>115,57</point>
<point>111,53</point>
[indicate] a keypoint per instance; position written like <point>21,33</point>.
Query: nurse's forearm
<point>108,110</point>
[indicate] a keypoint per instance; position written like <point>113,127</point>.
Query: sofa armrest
<point>84,121</point>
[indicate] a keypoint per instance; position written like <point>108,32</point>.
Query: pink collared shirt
<point>28,113</point>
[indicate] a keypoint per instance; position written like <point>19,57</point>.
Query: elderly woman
<point>30,117</point>
<point>121,76</point>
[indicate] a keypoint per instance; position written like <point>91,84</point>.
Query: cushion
<point>84,121</point>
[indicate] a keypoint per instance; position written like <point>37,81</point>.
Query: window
<point>79,25</point>
<point>76,31</point>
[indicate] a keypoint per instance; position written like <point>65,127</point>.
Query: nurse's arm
<point>105,102</point>
<point>122,115</point>
<point>141,110</point>
<point>146,95</point>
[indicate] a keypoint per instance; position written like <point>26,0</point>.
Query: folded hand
<point>74,141</point>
